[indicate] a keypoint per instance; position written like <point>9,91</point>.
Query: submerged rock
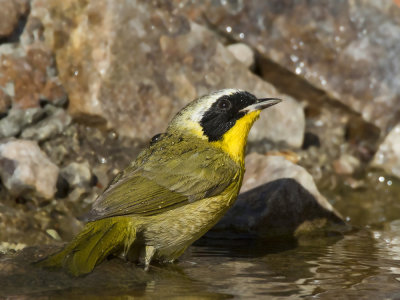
<point>278,198</point>
<point>26,170</point>
<point>346,164</point>
<point>150,61</point>
<point>388,155</point>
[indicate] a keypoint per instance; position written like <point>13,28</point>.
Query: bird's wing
<point>162,182</point>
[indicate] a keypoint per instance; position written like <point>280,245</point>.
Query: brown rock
<point>9,15</point>
<point>27,73</point>
<point>135,71</point>
<point>5,102</point>
<point>54,92</point>
<point>23,6</point>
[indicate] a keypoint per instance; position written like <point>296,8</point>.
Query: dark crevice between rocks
<point>19,29</point>
<point>296,86</point>
<point>357,129</point>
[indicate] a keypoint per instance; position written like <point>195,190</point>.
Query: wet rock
<point>388,155</point>
<point>242,53</point>
<point>8,17</point>
<point>175,61</point>
<point>48,127</point>
<point>349,49</point>
<point>7,248</point>
<point>346,164</point>
<point>26,170</point>
<point>278,198</point>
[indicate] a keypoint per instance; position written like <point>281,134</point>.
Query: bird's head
<point>224,118</point>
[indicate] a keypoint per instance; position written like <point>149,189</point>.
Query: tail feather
<point>96,241</point>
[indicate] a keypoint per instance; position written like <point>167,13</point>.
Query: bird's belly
<point>172,232</point>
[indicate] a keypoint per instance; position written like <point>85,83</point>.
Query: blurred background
<point>85,84</point>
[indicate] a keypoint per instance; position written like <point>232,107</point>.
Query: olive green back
<point>172,172</point>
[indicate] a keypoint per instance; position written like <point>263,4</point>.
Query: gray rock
<point>77,174</point>
<point>279,198</point>
<point>388,155</point>
<point>12,124</point>
<point>48,127</point>
<point>18,119</point>
<point>349,49</point>
<point>25,169</point>
<point>242,53</point>
<point>281,123</point>
<point>174,62</point>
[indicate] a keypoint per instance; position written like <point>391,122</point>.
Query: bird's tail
<point>96,241</point>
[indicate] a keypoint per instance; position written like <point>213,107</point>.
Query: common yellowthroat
<point>174,191</point>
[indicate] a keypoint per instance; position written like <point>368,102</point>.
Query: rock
<point>278,198</point>
<point>174,62</point>
<point>77,174</point>
<point>48,127</point>
<point>9,16</point>
<point>24,73</point>
<point>349,49</point>
<point>25,169</point>
<point>6,247</point>
<point>23,6</point>
<point>388,155</point>
<point>54,93</point>
<point>281,123</point>
<point>5,102</point>
<point>242,53</point>
<point>346,164</point>
<point>18,119</point>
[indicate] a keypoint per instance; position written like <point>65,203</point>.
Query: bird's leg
<point>149,253</point>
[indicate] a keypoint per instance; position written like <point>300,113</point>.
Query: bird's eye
<point>224,104</point>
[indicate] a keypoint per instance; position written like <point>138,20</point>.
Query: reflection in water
<point>363,264</point>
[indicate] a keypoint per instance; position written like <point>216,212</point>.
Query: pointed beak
<point>261,104</point>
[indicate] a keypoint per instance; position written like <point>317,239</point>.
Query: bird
<point>174,191</point>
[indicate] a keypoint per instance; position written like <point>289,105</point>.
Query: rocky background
<point>85,84</point>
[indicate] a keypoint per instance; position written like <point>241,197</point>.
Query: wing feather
<point>163,178</point>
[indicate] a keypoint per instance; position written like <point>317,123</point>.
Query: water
<point>364,263</point>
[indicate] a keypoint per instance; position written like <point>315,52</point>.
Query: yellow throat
<point>235,139</point>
